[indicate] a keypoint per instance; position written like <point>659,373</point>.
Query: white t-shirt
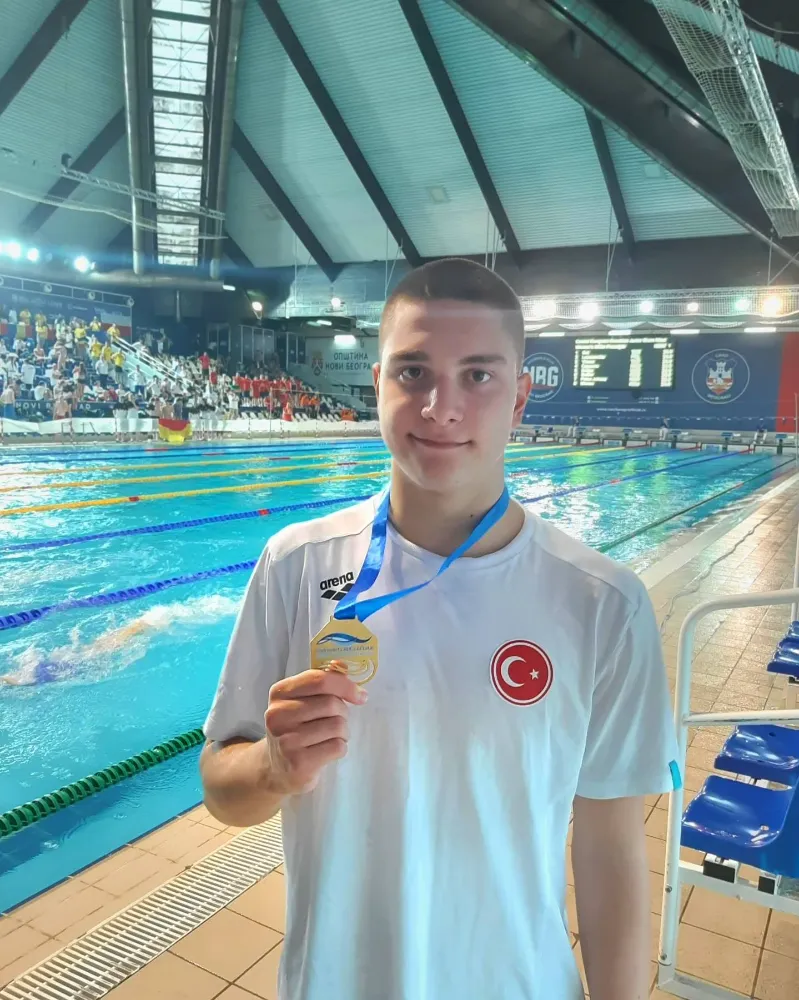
<point>430,861</point>
<point>28,373</point>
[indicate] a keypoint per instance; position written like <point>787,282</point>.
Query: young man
<point>518,675</point>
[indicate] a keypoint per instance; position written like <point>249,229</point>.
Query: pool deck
<point>234,955</point>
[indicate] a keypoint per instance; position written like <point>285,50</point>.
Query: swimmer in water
<point>50,671</point>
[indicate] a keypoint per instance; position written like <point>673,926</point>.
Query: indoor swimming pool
<point>123,568</point>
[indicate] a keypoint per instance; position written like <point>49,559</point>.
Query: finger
<point>313,733</point>
<point>284,716</point>
<point>313,682</point>
<point>314,758</point>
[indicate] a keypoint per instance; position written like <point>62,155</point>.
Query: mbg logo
<point>547,375</point>
<point>720,376</point>
<point>337,586</point>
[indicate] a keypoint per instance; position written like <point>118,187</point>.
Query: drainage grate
<point>92,966</point>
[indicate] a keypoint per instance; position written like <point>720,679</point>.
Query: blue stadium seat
<point>747,823</point>
<point>770,753</point>
<point>785,661</point>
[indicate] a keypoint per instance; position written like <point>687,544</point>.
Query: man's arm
<point>245,781</point>
<point>611,880</point>
<point>236,782</point>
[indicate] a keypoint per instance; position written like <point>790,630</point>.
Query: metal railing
<point>679,872</point>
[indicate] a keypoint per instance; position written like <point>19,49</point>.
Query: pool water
<point>116,698</point>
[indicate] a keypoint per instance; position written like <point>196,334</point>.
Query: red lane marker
<point>264,511</point>
<point>614,480</point>
<point>134,499</point>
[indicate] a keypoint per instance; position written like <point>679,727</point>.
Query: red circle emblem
<point>521,672</point>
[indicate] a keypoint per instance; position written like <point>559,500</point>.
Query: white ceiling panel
<point>660,205</point>
<point>256,225</point>
<point>68,100</point>
<point>282,122</point>
<point>90,225</point>
<point>369,62</point>
<point>534,138</point>
<point>19,22</point>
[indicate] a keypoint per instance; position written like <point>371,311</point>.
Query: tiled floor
<point>235,954</point>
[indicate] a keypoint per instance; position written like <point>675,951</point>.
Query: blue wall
<point>749,395</point>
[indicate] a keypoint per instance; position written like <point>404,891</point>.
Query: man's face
<point>448,392</point>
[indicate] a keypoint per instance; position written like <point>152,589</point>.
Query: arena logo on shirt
<point>521,672</point>
<point>720,376</point>
<point>547,374</point>
<point>337,586</point>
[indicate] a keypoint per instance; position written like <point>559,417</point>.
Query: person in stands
<point>515,677</point>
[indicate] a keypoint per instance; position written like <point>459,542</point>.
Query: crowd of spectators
<point>57,368</point>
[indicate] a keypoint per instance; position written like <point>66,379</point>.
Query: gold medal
<point>350,642</point>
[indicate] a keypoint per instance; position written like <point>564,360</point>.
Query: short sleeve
<point>631,748</point>
<point>256,658</point>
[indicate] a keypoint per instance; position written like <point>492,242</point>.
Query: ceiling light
<point>438,194</point>
<point>336,302</point>
<point>619,333</point>
<point>760,329</point>
<point>32,255</point>
<point>742,305</point>
<point>687,330</point>
<point>552,333</point>
<point>14,250</point>
<point>228,288</point>
<point>588,310</point>
<point>544,308</point>
<point>345,340</point>
<point>646,307</point>
<point>692,307</point>
<point>772,305</point>
<point>257,307</point>
<point>82,264</point>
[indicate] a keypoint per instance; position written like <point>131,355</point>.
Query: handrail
<point>683,719</point>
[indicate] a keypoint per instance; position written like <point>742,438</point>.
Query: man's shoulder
<point>587,570</point>
<point>339,526</point>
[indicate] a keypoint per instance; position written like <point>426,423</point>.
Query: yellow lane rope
<point>263,469</point>
<point>89,483</point>
<point>262,459</point>
<point>311,480</point>
<point>115,501</point>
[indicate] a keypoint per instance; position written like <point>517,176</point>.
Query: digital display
<point>644,361</point>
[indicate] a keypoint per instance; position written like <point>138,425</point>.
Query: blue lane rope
<point>197,522</point>
<point>20,618</point>
<point>119,596</point>
<point>198,451</point>
<point>178,525</point>
<point>626,479</point>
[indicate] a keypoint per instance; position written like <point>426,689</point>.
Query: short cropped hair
<point>460,280</point>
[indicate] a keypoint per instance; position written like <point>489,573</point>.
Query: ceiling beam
<point>545,34</point>
<point>275,193</point>
<point>600,140</point>
<point>776,15</point>
<point>236,254</point>
<point>53,27</point>
<point>332,116</point>
<point>463,130</point>
<point>101,144</point>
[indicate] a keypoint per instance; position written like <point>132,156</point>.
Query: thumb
<point>350,691</point>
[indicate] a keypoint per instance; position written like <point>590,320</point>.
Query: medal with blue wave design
<point>345,637</point>
<point>350,643</point>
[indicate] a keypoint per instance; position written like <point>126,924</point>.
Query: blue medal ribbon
<point>350,607</point>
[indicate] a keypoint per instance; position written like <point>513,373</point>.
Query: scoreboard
<point>639,361</point>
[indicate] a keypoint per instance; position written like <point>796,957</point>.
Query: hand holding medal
<point>306,725</point>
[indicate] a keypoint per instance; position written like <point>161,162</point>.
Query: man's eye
<point>479,376</point>
<point>411,374</point>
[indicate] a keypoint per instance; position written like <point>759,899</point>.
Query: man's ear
<point>524,383</point>
<point>376,378</point>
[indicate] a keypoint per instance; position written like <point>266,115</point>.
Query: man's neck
<point>440,522</point>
